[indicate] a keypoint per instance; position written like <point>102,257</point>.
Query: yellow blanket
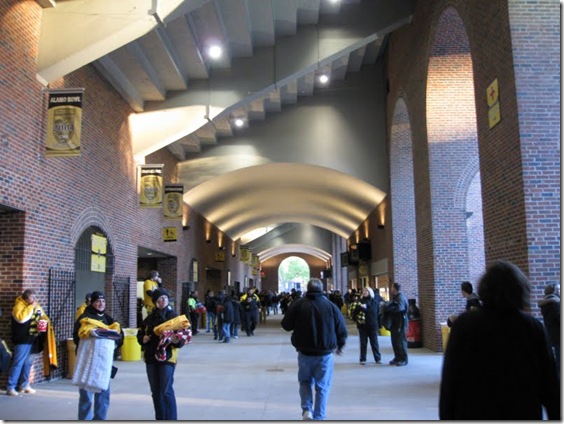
<point>49,349</point>
<point>89,324</point>
<point>180,322</point>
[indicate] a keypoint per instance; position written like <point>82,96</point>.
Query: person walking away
<point>251,304</point>
<point>234,329</point>
<point>498,363</point>
<point>397,308</point>
<point>318,330</point>
<point>149,286</point>
<point>160,352</point>
<point>26,314</point>
<point>97,335</point>
<point>550,310</point>
<point>227,317</point>
<point>365,315</point>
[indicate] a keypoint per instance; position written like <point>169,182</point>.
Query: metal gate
<point>61,311</point>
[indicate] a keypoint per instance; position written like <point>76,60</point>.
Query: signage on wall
<point>169,234</point>
<point>98,257</point>
<point>492,95</point>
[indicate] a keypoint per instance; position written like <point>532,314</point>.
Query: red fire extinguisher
<point>413,325</point>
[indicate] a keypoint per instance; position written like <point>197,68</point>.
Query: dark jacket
<point>550,309</point>
<point>498,366</point>
<point>371,312</point>
<point>317,323</point>
<point>154,319</point>
<point>473,301</point>
<point>228,313</point>
<point>236,311</point>
<point>397,309</point>
<point>92,313</point>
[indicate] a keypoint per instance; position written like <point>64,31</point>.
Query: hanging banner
<point>172,205</point>
<point>64,120</point>
<point>244,254</point>
<point>150,186</point>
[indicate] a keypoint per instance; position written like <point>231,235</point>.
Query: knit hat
<point>158,293</point>
<point>96,295</point>
<point>370,292</point>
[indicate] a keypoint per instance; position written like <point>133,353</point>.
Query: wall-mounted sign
<point>169,234</point>
<point>492,96</point>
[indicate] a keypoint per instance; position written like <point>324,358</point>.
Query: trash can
<point>445,332</point>
<point>130,349</point>
<point>71,355</point>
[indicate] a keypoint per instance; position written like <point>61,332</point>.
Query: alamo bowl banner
<point>172,205</point>
<point>64,120</point>
<point>150,186</point>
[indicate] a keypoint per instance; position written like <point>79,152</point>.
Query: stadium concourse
<point>254,379</point>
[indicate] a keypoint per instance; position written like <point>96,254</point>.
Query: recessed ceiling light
<point>323,79</point>
<point>239,122</point>
<point>215,52</point>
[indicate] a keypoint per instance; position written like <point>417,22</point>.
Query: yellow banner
<point>244,254</point>
<point>64,120</point>
<point>150,186</point>
<point>172,205</point>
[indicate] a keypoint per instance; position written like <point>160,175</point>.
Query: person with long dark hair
<point>498,363</point>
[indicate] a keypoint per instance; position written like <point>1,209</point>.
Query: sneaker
<point>235,337</point>
<point>393,362</point>
<point>401,363</point>
<point>362,362</point>
<point>11,392</point>
<point>307,416</point>
<point>379,362</point>
<point>28,389</point>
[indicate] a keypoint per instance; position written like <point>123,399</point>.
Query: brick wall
<point>518,175</point>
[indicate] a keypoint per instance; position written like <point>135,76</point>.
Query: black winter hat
<point>158,293</point>
<point>96,295</point>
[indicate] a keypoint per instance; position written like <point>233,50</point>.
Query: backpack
<point>5,356</point>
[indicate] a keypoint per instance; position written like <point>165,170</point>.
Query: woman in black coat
<point>498,363</point>
<point>160,356</point>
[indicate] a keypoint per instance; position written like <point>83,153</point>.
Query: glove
<point>339,351</point>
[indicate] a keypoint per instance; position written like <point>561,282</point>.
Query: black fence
<point>61,311</point>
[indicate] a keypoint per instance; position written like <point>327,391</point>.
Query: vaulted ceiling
<point>155,54</point>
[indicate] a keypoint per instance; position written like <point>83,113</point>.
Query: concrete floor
<point>251,379</point>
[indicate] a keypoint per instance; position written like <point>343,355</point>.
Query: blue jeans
<point>318,371</point>
<point>226,326</point>
<point>101,404</point>
<point>234,329</point>
<point>22,360</point>
<point>210,321</point>
<point>161,378</point>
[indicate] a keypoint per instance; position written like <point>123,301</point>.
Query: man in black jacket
<point>397,308</point>
<point>318,329</point>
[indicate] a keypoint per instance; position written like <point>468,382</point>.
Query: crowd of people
<point>500,361</point>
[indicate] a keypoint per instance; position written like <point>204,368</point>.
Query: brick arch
<point>454,164</point>
<point>90,217</point>
<point>402,190</point>
<point>463,184</point>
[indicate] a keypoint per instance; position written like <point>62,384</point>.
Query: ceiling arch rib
<point>242,200</point>
<point>293,248</point>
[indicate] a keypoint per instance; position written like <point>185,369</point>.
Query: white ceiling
<point>153,52</point>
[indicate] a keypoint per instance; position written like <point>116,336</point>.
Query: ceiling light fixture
<point>215,52</point>
<point>239,122</point>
